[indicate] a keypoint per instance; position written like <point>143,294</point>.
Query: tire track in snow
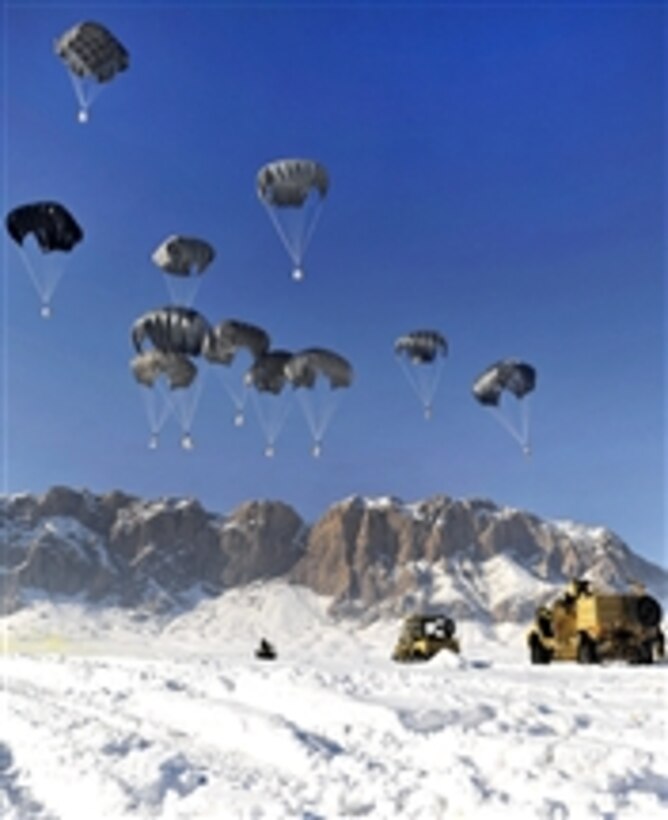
<point>132,764</point>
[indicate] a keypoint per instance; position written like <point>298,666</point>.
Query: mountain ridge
<point>369,556</point>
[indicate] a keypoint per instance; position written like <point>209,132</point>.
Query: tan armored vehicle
<point>587,626</point>
<point>422,636</point>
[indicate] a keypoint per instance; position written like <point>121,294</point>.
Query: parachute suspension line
<point>86,92</point>
<point>505,422</point>
<point>297,240</point>
<point>429,385</point>
<point>182,290</point>
<point>526,426</point>
<point>422,382</point>
<point>45,282</point>
<point>158,409</point>
<point>305,241</point>
<point>404,369</point>
<point>285,239</point>
<point>33,275</point>
<point>238,397</point>
<point>272,418</point>
<point>318,410</point>
<point>184,404</point>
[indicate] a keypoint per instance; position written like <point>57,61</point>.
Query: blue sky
<point>497,173</point>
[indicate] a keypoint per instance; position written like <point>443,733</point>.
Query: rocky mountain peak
<point>366,554</point>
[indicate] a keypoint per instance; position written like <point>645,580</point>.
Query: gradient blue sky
<point>497,173</point>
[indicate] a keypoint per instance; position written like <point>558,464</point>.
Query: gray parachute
<point>512,375</point>
<point>183,255</point>
<point>179,370</point>
<point>172,330</point>
<point>305,367</point>
<point>421,346</point>
<point>90,50</point>
<point>267,374</point>
<point>228,337</point>
<point>420,355</point>
<point>288,182</point>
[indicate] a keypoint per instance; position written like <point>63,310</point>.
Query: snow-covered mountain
<point>367,557</point>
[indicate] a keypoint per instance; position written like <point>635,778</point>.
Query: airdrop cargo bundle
<point>423,636</point>
<point>588,626</point>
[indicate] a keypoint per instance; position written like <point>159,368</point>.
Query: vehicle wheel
<point>646,653</point>
<point>649,611</point>
<point>587,653</point>
<point>537,652</point>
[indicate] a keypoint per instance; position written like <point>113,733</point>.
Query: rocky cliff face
<point>474,557</point>
<point>368,555</point>
<point>134,552</point>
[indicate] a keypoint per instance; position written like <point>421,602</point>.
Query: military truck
<point>588,626</point>
<point>423,636</point>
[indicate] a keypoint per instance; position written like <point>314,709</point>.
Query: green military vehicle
<point>423,636</point>
<point>588,626</point>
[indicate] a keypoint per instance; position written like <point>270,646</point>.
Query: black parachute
<point>322,372</point>
<point>420,355</point>
<point>293,192</point>
<point>304,368</point>
<point>518,378</point>
<point>231,336</point>
<point>267,374</point>
<point>184,255</point>
<point>271,401</point>
<point>177,369</point>
<point>176,333</point>
<point>286,183</point>
<point>421,346</point>
<point>53,226</point>
<point>91,50</point>
<point>172,330</point>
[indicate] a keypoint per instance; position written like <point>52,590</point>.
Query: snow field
<point>140,720</point>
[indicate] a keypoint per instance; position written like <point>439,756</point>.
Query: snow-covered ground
<point>104,715</point>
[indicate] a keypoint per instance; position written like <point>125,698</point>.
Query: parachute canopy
<point>421,346</point>
<point>172,330</point>
<point>304,367</point>
<point>512,375</point>
<point>227,338</point>
<point>150,365</point>
<point>267,374</point>
<point>90,50</point>
<point>288,182</point>
<point>53,226</point>
<point>183,255</point>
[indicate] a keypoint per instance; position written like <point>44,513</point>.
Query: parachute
<point>175,333</point>
<point>420,355</point>
<point>179,371</point>
<point>223,346</point>
<point>516,378</point>
<point>183,259</point>
<point>293,191</point>
<point>148,368</point>
<point>53,228</point>
<point>268,379</point>
<point>172,330</point>
<point>267,374</point>
<point>93,57</point>
<point>230,336</point>
<point>304,368</point>
<point>321,372</point>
